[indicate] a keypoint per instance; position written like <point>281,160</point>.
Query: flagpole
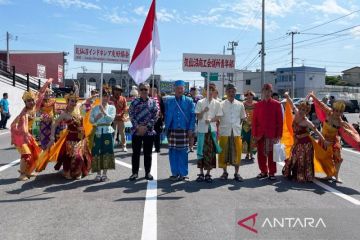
<point>153,53</point>
<point>101,81</point>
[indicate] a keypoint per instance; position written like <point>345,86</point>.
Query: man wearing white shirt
<point>233,113</point>
<point>208,112</point>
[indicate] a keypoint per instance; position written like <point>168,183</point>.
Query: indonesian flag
<point>147,49</point>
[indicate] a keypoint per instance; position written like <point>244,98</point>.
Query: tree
<point>333,80</point>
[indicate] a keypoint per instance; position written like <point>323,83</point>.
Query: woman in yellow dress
<point>328,154</point>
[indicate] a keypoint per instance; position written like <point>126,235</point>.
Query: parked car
<point>352,106</point>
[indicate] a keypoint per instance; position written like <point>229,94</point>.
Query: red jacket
<point>267,119</point>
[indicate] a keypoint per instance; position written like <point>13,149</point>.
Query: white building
<point>306,79</point>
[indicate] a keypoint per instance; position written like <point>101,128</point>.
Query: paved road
<point>50,207</point>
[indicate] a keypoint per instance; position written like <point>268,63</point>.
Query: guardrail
<point>24,82</point>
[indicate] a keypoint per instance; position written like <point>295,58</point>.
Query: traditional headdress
<point>28,95</point>
<point>305,105</point>
<point>179,83</point>
<point>339,105</point>
<point>106,90</point>
<point>71,95</point>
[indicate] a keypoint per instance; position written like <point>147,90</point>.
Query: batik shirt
<point>144,112</point>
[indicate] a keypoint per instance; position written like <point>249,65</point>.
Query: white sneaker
<point>124,149</point>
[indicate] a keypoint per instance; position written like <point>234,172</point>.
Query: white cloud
<point>140,11</point>
<point>331,7</point>
<point>115,18</point>
<point>74,3</point>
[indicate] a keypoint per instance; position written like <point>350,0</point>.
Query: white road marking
<point>332,190</point>
<point>9,165</point>
<point>350,150</point>
<point>4,133</point>
<point>149,229</point>
<point>117,161</point>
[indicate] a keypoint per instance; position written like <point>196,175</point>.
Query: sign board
<point>213,76</point>
<point>168,86</point>
<point>101,54</point>
<point>60,73</point>
<point>41,71</point>
<point>208,63</point>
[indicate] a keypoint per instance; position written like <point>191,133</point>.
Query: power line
<point>333,20</point>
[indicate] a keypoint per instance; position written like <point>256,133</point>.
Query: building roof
<point>301,69</point>
<point>350,69</point>
<point>28,52</point>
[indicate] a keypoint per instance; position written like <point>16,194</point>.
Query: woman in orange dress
<point>23,140</point>
<point>249,105</point>
<point>300,164</point>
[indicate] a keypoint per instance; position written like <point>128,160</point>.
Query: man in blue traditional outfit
<point>180,124</point>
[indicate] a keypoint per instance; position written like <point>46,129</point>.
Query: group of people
<point>82,137</point>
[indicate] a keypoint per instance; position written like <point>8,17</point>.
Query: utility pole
<point>292,62</point>
<point>7,51</point>
<point>231,47</point>
<point>263,45</point>
<point>84,69</point>
<point>223,77</point>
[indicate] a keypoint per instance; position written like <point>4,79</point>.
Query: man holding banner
<point>180,124</point>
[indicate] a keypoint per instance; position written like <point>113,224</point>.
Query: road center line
<point>149,229</point>
<point>332,190</point>
<point>9,165</point>
<point>350,150</point>
<point>117,161</point>
<point>4,133</point>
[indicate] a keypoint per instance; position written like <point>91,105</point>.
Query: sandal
<point>173,178</point>
<point>262,175</point>
<point>238,178</point>
<point>224,176</point>
<point>98,178</point>
<point>208,178</point>
<point>104,178</point>
<point>272,178</point>
<point>200,177</point>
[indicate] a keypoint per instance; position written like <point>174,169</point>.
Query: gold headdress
<point>306,106</point>
<point>106,89</point>
<point>28,95</point>
<point>71,95</point>
<point>339,106</point>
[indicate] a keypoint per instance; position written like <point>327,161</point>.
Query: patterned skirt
<point>178,139</point>
<point>208,161</point>
<point>300,165</point>
<point>103,152</point>
<point>45,132</point>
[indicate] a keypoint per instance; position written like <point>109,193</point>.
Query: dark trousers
<point>4,119</point>
<point>137,143</point>
<point>157,137</point>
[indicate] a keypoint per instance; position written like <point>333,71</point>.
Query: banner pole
<point>101,81</point>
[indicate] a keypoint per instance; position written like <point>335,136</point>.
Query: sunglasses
<point>143,89</point>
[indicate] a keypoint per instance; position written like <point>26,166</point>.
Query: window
<point>248,82</point>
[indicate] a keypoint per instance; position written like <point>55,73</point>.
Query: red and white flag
<point>147,49</point>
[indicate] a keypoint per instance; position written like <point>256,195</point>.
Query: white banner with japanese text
<point>101,54</point>
<point>193,62</point>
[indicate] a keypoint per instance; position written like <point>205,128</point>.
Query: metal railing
<point>24,82</point>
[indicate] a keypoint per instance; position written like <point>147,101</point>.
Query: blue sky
<point>199,26</point>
